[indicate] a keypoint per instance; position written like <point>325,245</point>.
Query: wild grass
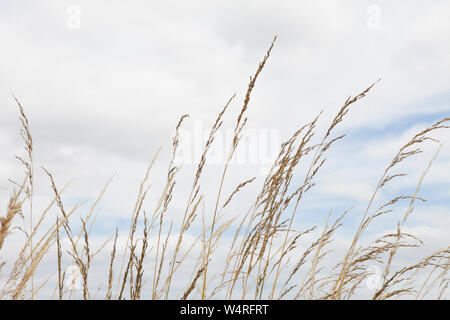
<point>264,258</point>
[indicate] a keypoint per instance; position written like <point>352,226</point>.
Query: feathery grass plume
<point>14,208</point>
<point>312,283</point>
<point>164,201</point>
<point>161,261</point>
<point>394,250</point>
<point>411,148</point>
<point>28,163</point>
<point>87,261</point>
<point>441,278</point>
<point>134,218</point>
<point>238,188</point>
<point>240,124</point>
<point>91,210</point>
<point>140,263</point>
<point>256,249</point>
<point>59,255</point>
<point>82,264</point>
<point>23,258</point>
<point>129,271</point>
<point>271,198</point>
<point>399,277</point>
<point>194,197</point>
<point>318,161</point>
<point>111,263</point>
<point>270,191</point>
<point>26,271</point>
<point>193,283</point>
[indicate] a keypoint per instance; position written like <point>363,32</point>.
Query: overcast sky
<point>104,83</point>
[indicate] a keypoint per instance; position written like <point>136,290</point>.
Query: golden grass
<point>264,256</point>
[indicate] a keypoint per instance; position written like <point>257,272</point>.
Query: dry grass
<point>264,258</point>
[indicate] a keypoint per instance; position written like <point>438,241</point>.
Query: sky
<point>104,83</point>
